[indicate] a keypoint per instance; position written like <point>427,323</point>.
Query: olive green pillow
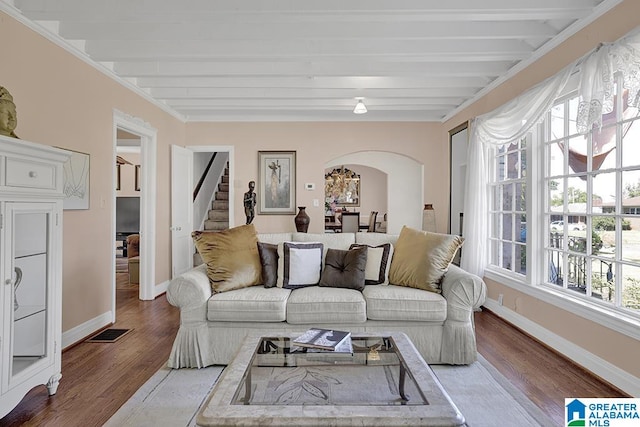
<point>231,256</point>
<point>421,258</point>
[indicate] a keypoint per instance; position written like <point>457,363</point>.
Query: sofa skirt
<point>216,343</point>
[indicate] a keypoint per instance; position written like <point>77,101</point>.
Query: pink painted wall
<point>317,143</point>
<point>64,102</point>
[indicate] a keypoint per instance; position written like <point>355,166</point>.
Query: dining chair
<point>350,222</point>
<point>372,222</point>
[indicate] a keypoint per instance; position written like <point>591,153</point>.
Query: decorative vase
<point>429,218</point>
<point>302,220</point>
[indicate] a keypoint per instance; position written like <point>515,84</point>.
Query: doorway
<point>134,129</point>
<point>182,207</point>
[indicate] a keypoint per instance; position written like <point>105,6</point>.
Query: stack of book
<point>325,340</point>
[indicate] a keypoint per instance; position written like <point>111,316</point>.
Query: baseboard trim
<point>161,288</point>
<point>600,367</point>
<point>82,331</point>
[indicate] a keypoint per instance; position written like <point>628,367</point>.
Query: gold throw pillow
<point>231,256</point>
<point>421,258</point>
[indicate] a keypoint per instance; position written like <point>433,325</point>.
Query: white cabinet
<point>30,268</point>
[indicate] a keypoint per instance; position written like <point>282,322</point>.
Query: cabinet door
<point>28,286</point>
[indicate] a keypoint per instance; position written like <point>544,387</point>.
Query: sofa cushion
<point>254,304</point>
<point>269,262</point>
<point>378,261</point>
<point>403,303</point>
<point>421,258</point>
<point>315,305</point>
<point>299,264</point>
<point>345,269</point>
<point>231,256</point>
<point>274,238</point>
<point>375,239</point>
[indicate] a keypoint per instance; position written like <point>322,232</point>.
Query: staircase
<point>219,212</point>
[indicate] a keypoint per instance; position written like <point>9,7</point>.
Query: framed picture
<point>76,181</point>
<point>277,182</point>
<point>137,184</point>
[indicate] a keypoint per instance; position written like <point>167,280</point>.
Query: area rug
<point>481,393</point>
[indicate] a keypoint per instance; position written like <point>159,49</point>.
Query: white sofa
<point>212,326</point>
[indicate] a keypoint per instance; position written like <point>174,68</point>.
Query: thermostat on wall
<point>310,186</point>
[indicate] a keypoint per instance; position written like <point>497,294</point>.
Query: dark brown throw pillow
<point>344,269</point>
<point>269,261</point>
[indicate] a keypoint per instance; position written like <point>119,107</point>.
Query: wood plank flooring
<point>98,378</point>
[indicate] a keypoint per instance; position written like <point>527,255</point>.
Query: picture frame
<point>76,171</point>
<point>137,180</point>
<point>276,182</point>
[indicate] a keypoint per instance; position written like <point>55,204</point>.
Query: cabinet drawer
<point>25,173</point>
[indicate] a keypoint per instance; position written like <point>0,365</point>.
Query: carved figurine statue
<point>250,202</point>
<point>8,114</point>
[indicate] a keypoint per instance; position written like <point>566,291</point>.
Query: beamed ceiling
<point>257,60</point>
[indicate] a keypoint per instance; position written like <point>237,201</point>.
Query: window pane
<point>572,114</point>
<point>495,252</point>
<point>630,188</point>
<point>521,201</point>
<point>603,284</point>
<point>577,154</point>
<point>522,237</point>
<point>507,197</point>
<point>557,121</point>
<point>604,192</point>
<point>513,165</point>
<point>577,273</point>
<point>556,160</point>
<point>631,143</point>
<point>497,197</point>
<point>630,248</point>
<point>555,267</point>
<point>521,255</point>
<point>507,258</point>
<point>604,147</point>
<point>507,224</point>
<point>495,226</point>
<point>631,287</point>
<point>500,168</point>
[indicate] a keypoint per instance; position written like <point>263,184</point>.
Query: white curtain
<point>513,120</point>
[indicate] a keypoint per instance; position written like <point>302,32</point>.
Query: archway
<point>405,182</point>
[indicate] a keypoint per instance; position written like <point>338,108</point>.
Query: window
<point>582,227</point>
<point>592,204</point>
<point>508,207</point>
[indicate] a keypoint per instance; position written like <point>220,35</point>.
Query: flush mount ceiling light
<point>360,107</point>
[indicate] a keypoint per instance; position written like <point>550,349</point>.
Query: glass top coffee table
<point>384,382</point>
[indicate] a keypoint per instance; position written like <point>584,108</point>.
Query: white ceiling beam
<point>329,69</point>
<point>331,10</point>
<point>108,50</point>
<point>315,102</point>
<point>312,82</point>
<point>200,93</point>
<point>342,115</point>
<point>194,31</point>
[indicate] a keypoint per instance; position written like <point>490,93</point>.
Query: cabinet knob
<point>33,174</point>
<point>8,282</point>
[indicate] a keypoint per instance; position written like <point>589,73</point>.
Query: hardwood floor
<point>99,378</point>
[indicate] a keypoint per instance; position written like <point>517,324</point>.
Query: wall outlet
<point>500,299</point>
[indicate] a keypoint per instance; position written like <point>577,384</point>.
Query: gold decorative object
<point>342,187</point>
<point>8,114</point>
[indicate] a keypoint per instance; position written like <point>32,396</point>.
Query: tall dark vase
<point>302,220</point>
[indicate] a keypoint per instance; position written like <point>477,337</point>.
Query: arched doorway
<point>405,182</point>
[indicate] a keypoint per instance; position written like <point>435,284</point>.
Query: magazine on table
<point>325,339</point>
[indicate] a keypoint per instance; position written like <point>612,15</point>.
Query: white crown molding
<point>602,368</point>
<point>571,30</point>
<point>45,31</point>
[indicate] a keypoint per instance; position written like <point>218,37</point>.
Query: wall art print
<point>76,181</point>
<point>277,182</point>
